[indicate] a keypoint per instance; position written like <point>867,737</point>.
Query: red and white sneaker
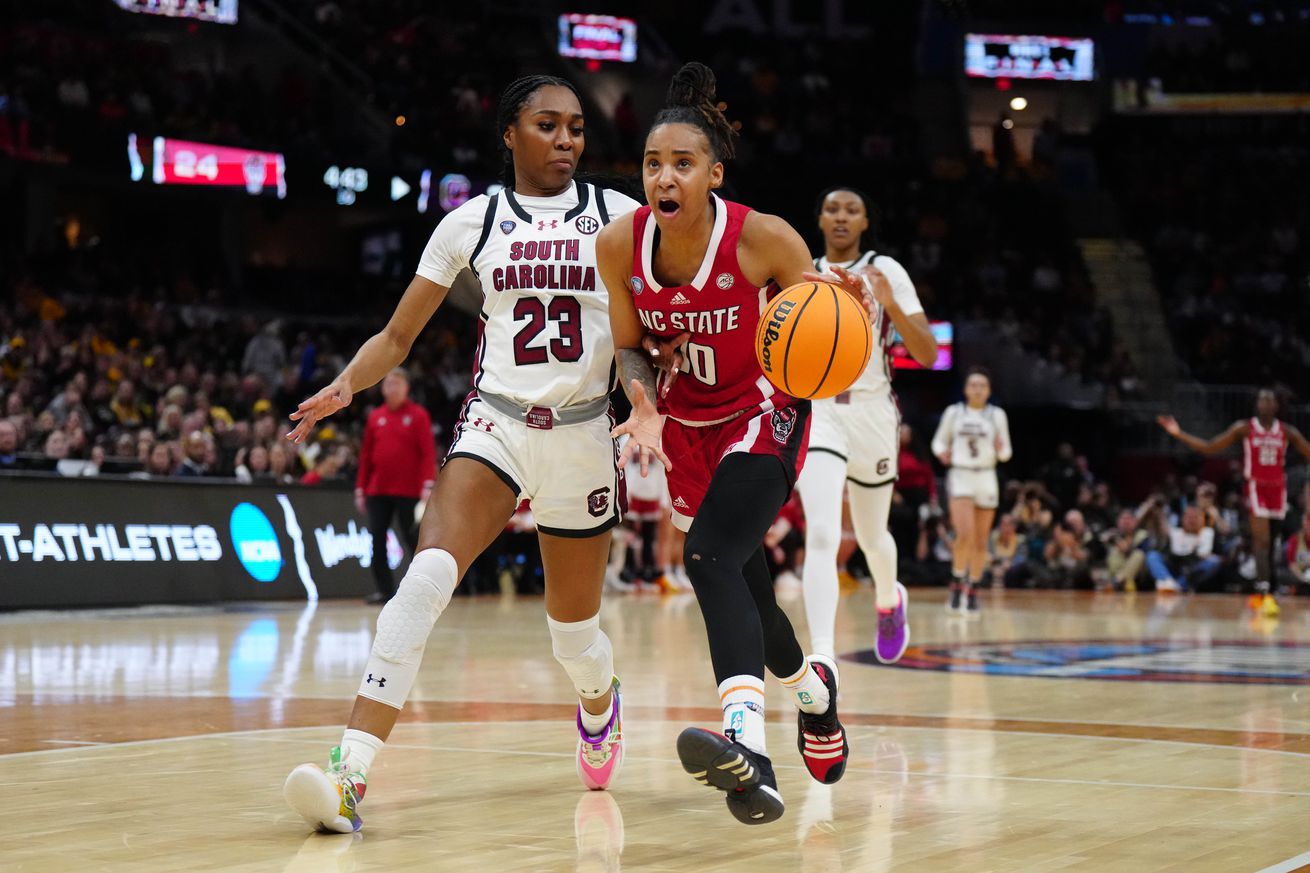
<point>820,737</point>
<point>601,756</point>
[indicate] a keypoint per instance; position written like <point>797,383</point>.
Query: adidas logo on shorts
<point>679,503</point>
<point>679,299</point>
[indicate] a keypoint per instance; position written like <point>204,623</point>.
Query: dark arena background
<point>207,206</point>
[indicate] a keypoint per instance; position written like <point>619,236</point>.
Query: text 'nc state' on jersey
<point>705,322</point>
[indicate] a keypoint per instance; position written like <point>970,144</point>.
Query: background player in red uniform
<point>1264,450</point>
<point>692,266</point>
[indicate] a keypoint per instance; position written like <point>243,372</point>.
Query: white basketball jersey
<point>545,331</point>
<point>877,376</point>
<point>972,435</point>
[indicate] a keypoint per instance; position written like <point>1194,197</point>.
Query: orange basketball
<point>814,340</point>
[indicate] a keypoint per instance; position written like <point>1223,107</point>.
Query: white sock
<point>358,748</point>
<point>870,508</point>
<point>594,724</point>
<point>820,487</point>
<point>810,692</point>
<point>743,710</point>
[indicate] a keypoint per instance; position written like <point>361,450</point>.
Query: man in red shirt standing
<point>397,465</point>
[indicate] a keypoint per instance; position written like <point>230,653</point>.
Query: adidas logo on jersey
<point>679,503</point>
<point>679,299</point>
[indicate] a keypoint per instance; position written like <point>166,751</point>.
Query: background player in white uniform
<point>972,438</point>
<point>536,426</point>
<point>855,438</point>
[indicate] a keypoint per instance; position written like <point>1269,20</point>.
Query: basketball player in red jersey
<point>1264,458</point>
<point>693,267</point>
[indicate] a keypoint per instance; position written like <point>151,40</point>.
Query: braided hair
<point>692,100</point>
<point>512,100</point>
<point>870,212</point>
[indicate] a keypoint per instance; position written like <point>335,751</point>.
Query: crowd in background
<point>1223,217</point>
<point>91,382</point>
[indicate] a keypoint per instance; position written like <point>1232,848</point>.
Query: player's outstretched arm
<point>1206,447</point>
<point>636,372</point>
<point>379,354</point>
<point>1297,439</point>
<point>914,329</point>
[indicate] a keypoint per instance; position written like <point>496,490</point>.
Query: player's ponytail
<point>512,100</point>
<point>692,100</point>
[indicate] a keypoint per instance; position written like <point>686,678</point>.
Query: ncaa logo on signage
<point>255,543</point>
<point>586,224</point>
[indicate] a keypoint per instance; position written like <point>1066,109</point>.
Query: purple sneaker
<point>893,630</point>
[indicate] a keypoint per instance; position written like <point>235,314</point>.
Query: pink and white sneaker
<point>601,756</point>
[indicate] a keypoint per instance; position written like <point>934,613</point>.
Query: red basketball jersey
<point>1264,453</point>
<point>721,310</point>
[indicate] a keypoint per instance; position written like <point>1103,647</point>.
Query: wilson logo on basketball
<point>586,224</point>
<point>770,332</point>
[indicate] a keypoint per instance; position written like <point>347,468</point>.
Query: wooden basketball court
<point>1066,732</point>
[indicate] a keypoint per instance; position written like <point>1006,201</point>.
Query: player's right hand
<point>333,398</point>
<point>945,458</point>
<point>644,427</point>
<point>1169,423</point>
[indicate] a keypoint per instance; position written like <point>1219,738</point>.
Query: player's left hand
<point>853,284</point>
<point>666,356</point>
<point>644,428</point>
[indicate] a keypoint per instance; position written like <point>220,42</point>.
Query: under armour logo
<point>541,225</point>
<point>382,683</point>
<point>483,424</point>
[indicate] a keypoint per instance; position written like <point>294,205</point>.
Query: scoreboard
<point>219,11</point>
<point>183,162</point>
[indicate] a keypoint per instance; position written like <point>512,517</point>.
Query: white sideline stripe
<point>260,735</point>
<point>1289,865</point>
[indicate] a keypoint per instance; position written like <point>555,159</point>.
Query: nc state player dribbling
<point>536,426</point>
<point>1264,458</point>
<point>692,267</point>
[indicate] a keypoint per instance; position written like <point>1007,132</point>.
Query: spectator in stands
<point>1124,558</point>
<point>56,445</point>
<point>265,354</point>
<point>328,469</point>
<point>251,465</point>
<point>1069,552</point>
<point>128,410</point>
<point>196,448</point>
<point>1062,476</point>
<point>8,445</point>
<point>1189,561</point>
<point>1006,548</point>
<point>281,464</point>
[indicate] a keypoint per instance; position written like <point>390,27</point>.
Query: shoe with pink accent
<point>601,756</point>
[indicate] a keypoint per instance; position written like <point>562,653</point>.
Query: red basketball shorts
<point>696,452</point>
<point>1266,499</point>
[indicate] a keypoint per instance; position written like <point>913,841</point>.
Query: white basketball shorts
<point>864,431</point>
<point>569,472</point>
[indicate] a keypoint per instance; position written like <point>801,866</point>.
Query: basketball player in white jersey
<point>536,426</point>
<point>855,437</point>
<point>972,438</point>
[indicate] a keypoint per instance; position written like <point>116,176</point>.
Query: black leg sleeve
<point>742,501</point>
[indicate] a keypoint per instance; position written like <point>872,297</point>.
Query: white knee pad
<point>585,653</point>
<point>404,625</point>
